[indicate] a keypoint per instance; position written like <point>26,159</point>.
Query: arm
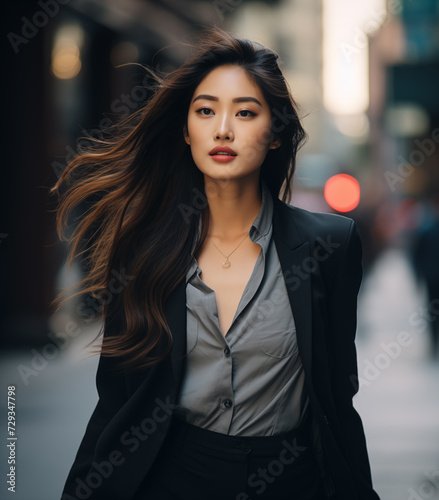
<point>112,393</point>
<point>343,323</point>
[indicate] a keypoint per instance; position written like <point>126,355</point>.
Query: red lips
<point>222,149</point>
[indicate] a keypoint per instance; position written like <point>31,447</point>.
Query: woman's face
<point>228,125</point>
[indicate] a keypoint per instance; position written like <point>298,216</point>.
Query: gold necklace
<point>226,264</point>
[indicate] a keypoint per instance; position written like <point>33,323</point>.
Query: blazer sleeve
<point>112,392</point>
<point>343,323</point>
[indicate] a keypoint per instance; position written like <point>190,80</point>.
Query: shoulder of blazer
<point>312,225</point>
<point>327,234</point>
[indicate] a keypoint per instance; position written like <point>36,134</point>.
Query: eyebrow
<point>236,99</point>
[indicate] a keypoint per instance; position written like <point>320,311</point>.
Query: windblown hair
<point>145,210</point>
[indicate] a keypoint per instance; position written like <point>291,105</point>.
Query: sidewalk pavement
<point>399,383</point>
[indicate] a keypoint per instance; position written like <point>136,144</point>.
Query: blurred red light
<point>342,192</point>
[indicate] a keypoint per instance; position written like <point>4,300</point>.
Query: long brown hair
<point>145,191</point>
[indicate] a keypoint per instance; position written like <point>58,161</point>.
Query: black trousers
<point>197,464</point>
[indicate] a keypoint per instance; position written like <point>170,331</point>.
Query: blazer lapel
<point>294,255</point>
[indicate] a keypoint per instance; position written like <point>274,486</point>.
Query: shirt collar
<point>260,230</point>
<point>262,224</point>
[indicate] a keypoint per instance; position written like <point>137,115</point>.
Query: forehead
<point>229,80</point>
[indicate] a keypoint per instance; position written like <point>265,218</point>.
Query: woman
<point>228,362</point>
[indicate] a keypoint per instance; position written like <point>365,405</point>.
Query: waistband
<point>187,434</point>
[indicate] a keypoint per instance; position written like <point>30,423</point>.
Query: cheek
<point>193,130</point>
<point>264,133</point>
<point>260,132</point>
<point>256,143</point>
<point>198,123</point>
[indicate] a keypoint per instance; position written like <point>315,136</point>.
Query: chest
<point>228,283</point>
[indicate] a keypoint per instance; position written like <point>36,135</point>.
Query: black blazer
<point>320,255</point>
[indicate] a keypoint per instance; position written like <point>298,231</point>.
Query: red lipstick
<point>222,154</point>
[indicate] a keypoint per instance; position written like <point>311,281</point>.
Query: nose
<point>224,130</point>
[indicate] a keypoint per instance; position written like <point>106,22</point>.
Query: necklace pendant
<point>226,263</point>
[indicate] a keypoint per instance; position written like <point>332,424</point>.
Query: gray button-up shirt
<point>249,382</point>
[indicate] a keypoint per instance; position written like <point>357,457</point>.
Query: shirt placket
<point>225,382</point>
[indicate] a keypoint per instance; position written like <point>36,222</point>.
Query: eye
<point>245,113</point>
<point>204,111</point>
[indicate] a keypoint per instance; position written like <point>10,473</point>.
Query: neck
<point>233,206</point>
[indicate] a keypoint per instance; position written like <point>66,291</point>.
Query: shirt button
<point>226,352</point>
<point>227,403</point>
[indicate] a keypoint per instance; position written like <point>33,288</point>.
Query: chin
<point>220,171</point>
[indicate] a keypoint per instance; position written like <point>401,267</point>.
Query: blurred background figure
<point>425,255</point>
<point>366,76</point>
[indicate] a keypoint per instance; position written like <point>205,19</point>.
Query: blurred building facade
<point>404,107</point>
<point>404,113</point>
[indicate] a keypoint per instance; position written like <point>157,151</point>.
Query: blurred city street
<point>398,400</point>
<point>364,77</point>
